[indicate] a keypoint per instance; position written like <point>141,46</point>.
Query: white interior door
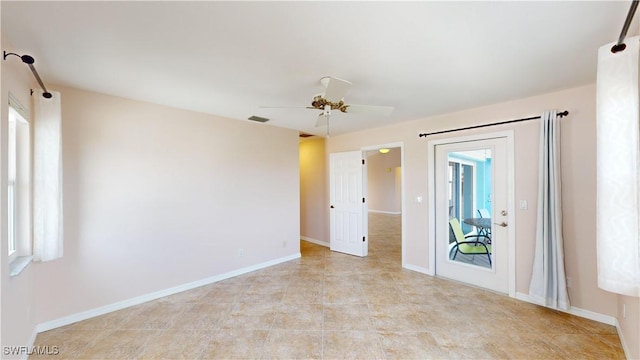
<point>347,207</point>
<point>470,177</point>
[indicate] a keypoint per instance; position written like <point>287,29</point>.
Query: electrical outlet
<point>624,311</point>
<point>240,252</point>
<point>284,244</point>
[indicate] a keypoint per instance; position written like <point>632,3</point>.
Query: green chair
<point>463,245</point>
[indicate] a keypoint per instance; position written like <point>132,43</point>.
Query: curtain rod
<point>562,114</point>
<point>29,61</point>
<point>620,45</point>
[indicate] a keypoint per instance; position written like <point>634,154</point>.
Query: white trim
<point>415,268</point>
<point>385,212</point>
<point>156,295</point>
<point>431,205</point>
<point>625,347</point>
<point>18,264</point>
<point>511,219</point>
<point>31,343</point>
<point>314,241</point>
<point>587,314</point>
<point>17,106</point>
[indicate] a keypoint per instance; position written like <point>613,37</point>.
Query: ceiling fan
<point>333,99</point>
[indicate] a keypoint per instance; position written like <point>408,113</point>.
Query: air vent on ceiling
<point>258,119</point>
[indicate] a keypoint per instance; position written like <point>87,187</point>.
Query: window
<point>18,188</point>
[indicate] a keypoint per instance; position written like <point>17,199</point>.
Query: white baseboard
<point>416,268</point>
<point>625,347</point>
<point>385,212</point>
<point>156,295</point>
<point>317,242</point>
<point>587,314</point>
<point>30,344</point>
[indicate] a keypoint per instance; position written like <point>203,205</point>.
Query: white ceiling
<point>230,58</point>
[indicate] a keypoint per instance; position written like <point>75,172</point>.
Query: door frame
<point>511,218</point>
<point>402,189</point>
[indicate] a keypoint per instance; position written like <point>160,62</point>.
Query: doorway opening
<point>384,193</point>
<point>349,199</point>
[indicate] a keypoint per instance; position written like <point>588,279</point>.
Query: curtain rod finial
<point>618,47</point>
<point>46,94</point>
<point>27,59</point>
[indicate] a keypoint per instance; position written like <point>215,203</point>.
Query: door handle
<point>503,224</point>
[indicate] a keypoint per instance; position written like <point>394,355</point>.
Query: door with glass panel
<point>471,212</point>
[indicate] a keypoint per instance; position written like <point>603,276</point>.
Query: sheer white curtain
<point>548,283</point>
<point>618,166</point>
<point>47,178</point>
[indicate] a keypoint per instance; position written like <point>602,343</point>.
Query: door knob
<point>503,224</point>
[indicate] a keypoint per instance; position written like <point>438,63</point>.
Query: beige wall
<point>629,320</point>
<point>383,181</point>
<point>156,197</point>
<point>578,165</point>
<point>314,201</point>
<point>17,309</point>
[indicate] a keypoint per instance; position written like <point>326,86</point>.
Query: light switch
<point>524,205</point>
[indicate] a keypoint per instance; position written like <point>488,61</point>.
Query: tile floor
<point>334,306</point>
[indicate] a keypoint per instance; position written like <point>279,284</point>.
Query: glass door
<point>471,183</point>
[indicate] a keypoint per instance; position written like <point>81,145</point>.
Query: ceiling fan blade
<point>336,89</point>
<point>323,120</point>
<point>370,109</point>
